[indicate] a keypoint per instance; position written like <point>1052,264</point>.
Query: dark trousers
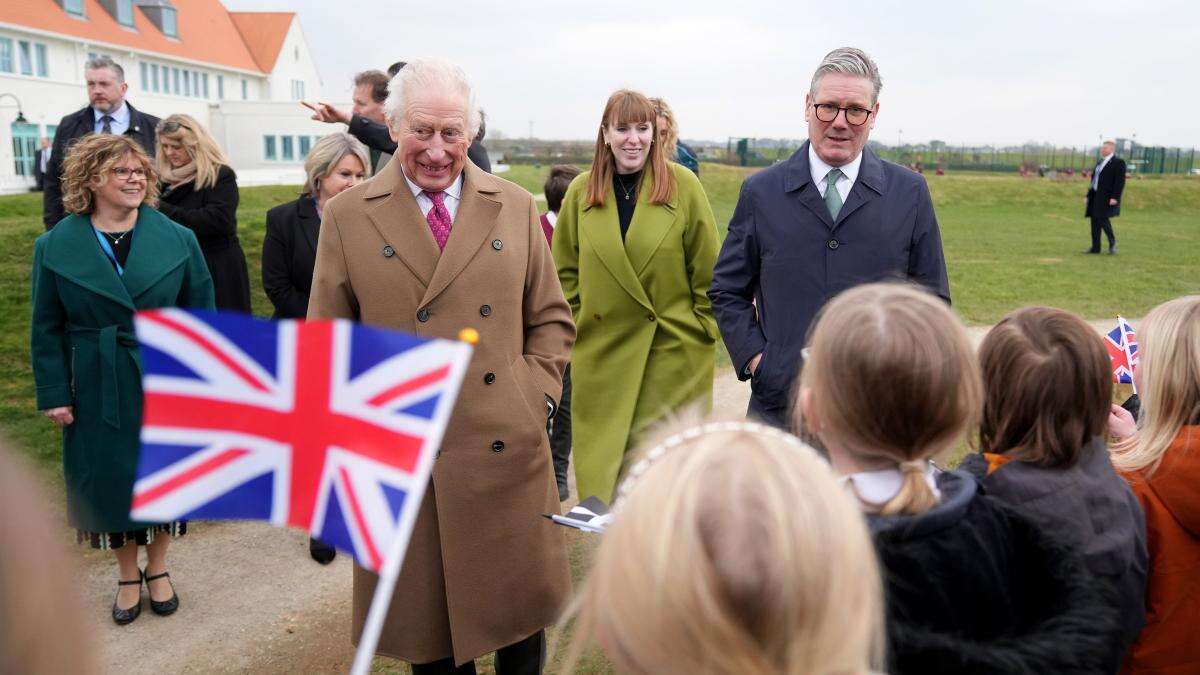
<point>1099,224</point>
<point>560,438</point>
<point>523,658</point>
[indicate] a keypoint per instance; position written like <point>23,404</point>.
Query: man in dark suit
<point>374,133</point>
<point>832,216</point>
<point>41,162</point>
<point>107,112</point>
<point>1104,196</point>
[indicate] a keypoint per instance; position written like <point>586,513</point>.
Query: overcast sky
<point>963,71</point>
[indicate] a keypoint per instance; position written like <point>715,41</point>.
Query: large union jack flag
<point>327,426</point>
<point>1123,350</point>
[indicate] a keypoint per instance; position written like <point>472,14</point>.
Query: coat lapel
<point>868,186</point>
<point>154,254</point>
<point>476,217</point>
<point>310,223</point>
<point>799,180</point>
<point>602,230</point>
<point>393,211</point>
<point>76,256</point>
<point>650,225</point>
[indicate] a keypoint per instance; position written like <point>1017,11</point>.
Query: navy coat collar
<point>798,179</point>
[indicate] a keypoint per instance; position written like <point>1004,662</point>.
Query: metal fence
<point>1031,159</point>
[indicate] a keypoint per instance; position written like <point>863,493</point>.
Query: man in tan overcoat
<point>433,245</point>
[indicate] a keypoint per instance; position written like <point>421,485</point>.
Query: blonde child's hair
<point>734,550</point>
<point>891,377</point>
<point>1169,383</point>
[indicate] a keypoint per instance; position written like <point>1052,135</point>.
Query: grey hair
<point>326,153</point>
<point>427,74</point>
<point>105,62</point>
<point>848,61</point>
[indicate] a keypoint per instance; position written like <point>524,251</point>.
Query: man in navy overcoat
<point>794,242</point>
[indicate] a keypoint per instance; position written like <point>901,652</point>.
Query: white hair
<point>848,61</point>
<point>431,74</point>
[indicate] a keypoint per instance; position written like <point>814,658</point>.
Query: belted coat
<point>483,569</point>
<point>85,353</point>
<point>647,334</point>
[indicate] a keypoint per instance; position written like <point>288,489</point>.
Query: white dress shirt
<point>879,487</point>
<point>820,169</point>
<point>453,195</point>
<point>1100,167</point>
<point>552,217</point>
<point>120,119</point>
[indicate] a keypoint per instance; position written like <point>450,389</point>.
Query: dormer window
<point>73,7</point>
<point>125,12</point>
<point>162,14</point>
<point>168,22</point>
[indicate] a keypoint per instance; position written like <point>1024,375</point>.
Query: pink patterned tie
<point>439,218</point>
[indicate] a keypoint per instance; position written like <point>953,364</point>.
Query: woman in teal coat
<point>113,256</point>
<point>635,245</point>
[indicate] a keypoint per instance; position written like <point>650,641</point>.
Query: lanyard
<point>108,251</point>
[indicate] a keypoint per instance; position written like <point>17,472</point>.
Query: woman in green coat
<point>635,245</point>
<point>111,257</point>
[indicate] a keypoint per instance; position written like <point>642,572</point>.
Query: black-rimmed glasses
<point>828,112</point>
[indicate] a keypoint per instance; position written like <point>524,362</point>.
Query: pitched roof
<point>263,33</point>
<point>208,32</point>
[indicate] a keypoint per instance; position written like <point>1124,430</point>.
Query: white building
<point>240,73</point>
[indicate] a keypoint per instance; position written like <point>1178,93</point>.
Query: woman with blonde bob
<point>890,381</point>
<point>635,244</point>
<point>200,192</point>
<point>1160,458</point>
<point>112,256</point>
<point>733,551</point>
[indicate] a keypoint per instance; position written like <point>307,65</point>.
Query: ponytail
<point>915,495</point>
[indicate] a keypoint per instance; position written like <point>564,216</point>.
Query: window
<point>305,146</point>
<point>43,63</point>
<point>168,22</point>
<point>204,89</point>
<point>245,90</point>
<point>25,144</point>
<point>166,73</point>
<point>6,55</point>
<point>154,76</point>
<point>175,81</point>
<point>269,148</point>
<point>221,87</point>
<point>297,90</point>
<point>26,51</point>
<point>125,12</point>
<point>145,69</point>
<point>73,7</point>
<point>187,83</point>
<point>287,148</point>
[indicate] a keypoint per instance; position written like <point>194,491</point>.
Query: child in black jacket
<point>971,586</point>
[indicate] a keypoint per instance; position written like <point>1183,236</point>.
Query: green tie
<point>833,198</point>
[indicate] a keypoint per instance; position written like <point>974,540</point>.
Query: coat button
<point>497,446</point>
<point>388,251</point>
<point>437,453</point>
<point>497,244</point>
<point>651,317</point>
<point>422,315</point>
<point>833,244</point>
<point>489,378</point>
<point>596,317</point>
<point>485,310</point>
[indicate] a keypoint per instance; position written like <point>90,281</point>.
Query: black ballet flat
<point>166,607</point>
<point>126,616</point>
<point>320,551</point>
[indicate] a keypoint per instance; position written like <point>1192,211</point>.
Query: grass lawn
<point>1009,242</point>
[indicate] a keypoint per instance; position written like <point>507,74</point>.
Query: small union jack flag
<point>326,426</point>
<point>1123,350</point>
